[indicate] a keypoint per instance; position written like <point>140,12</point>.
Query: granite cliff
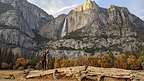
<point>87,30</point>
<point>90,30</point>
<point>20,22</point>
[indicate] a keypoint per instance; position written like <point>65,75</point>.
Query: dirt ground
<point>37,80</point>
<point>4,74</point>
<point>19,76</point>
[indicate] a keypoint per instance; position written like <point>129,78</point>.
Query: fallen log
<point>89,72</point>
<point>67,71</point>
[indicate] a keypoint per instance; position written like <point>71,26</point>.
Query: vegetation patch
<point>91,50</point>
<point>66,48</point>
<point>77,35</point>
<point>85,49</point>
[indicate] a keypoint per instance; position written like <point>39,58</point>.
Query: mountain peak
<point>113,8</point>
<point>87,5</point>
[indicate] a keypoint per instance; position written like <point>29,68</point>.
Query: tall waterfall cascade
<point>63,33</point>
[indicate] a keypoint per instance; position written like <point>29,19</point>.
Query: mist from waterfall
<point>63,33</point>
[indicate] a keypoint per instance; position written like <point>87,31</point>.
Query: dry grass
<point>19,76</point>
<point>37,80</point>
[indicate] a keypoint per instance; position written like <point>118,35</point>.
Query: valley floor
<point>34,75</point>
<point>19,76</point>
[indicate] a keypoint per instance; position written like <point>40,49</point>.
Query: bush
<point>133,63</point>
<point>82,61</point>
<point>51,62</point>
<point>68,63</point>
<point>38,66</point>
<point>141,61</point>
<point>57,63</point>
<point>33,62</point>
<point>21,62</point>
<point>121,61</point>
<point>104,61</point>
<point>93,61</point>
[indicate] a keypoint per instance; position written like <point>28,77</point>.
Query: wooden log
<point>68,71</point>
<point>80,71</point>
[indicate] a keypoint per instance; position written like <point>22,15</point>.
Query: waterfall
<point>63,33</point>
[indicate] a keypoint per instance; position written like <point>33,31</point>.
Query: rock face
<point>20,22</point>
<point>92,29</point>
<point>81,16</point>
<point>53,29</point>
<point>86,30</point>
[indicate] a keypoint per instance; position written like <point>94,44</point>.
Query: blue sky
<point>56,7</point>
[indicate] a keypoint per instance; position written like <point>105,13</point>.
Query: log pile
<point>82,73</point>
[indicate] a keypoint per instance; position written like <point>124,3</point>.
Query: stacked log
<point>82,73</point>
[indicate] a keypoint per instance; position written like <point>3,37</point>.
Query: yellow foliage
<point>133,62</point>
<point>82,61</point>
<point>121,61</point>
<point>104,61</point>
<point>21,62</point>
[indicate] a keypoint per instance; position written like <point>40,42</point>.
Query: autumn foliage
<point>82,61</point>
<point>21,62</point>
<point>133,62</point>
<point>104,61</point>
<point>109,60</point>
<point>121,61</point>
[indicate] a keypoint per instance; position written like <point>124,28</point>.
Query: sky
<point>56,7</point>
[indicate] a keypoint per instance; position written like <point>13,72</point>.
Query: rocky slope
<point>86,30</point>
<point>20,22</point>
<point>53,29</point>
<point>92,29</point>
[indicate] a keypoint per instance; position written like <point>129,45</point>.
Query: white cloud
<point>65,10</point>
<point>54,6</point>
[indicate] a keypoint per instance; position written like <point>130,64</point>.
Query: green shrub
<point>33,62</point>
